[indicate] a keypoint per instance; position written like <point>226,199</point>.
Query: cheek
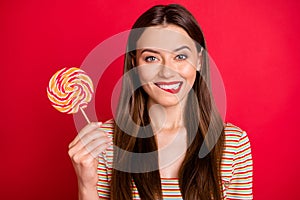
<point>189,73</point>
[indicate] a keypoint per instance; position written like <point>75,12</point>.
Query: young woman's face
<point>167,61</point>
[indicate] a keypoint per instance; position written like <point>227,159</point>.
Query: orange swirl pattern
<point>70,89</point>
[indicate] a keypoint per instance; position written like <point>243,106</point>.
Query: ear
<point>133,62</point>
<point>199,60</point>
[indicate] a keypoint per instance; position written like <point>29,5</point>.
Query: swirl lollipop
<point>70,90</point>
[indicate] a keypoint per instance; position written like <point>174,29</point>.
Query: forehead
<point>166,38</point>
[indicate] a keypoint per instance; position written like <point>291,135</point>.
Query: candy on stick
<point>70,90</point>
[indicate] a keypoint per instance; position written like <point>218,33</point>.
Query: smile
<point>171,87</point>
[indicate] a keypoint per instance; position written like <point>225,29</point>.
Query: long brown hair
<point>199,178</point>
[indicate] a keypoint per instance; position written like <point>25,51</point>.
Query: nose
<point>166,69</point>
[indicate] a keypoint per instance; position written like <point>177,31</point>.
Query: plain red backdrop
<point>254,43</point>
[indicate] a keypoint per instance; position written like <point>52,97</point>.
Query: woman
<point>165,116</point>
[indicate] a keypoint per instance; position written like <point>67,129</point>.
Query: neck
<point>166,118</point>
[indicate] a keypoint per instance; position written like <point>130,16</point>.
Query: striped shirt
<point>236,168</point>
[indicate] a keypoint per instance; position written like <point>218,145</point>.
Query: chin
<point>168,102</point>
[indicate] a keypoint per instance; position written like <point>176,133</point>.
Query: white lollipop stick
<point>85,116</point>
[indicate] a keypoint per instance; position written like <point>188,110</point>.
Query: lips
<point>171,87</point>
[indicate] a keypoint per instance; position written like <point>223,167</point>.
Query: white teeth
<point>170,87</point>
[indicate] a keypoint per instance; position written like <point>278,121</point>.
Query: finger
<point>93,135</point>
<point>91,126</point>
<point>81,146</point>
<point>87,158</point>
<point>85,152</point>
<point>88,138</point>
<point>96,144</point>
<point>99,150</point>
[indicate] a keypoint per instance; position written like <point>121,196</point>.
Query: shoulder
<point>233,130</point>
<point>236,165</point>
<point>107,156</point>
<point>234,135</point>
<point>236,144</point>
<point>236,148</point>
<point>108,126</point>
<point>236,141</point>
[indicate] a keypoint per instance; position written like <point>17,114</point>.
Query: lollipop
<point>70,90</point>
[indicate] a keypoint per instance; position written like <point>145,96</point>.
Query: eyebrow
<point>183,47</point>
<point>175,50</point>
<point>150,50</point>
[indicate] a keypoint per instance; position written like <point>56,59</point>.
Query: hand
<point>84,151</point>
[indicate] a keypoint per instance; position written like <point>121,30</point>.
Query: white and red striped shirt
<point>236,168</point>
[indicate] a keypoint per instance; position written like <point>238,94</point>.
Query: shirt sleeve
<point>240,185</point>
<point>105,160</point>
<point>103,186</point>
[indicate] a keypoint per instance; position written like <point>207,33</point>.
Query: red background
<point>254,43</point>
